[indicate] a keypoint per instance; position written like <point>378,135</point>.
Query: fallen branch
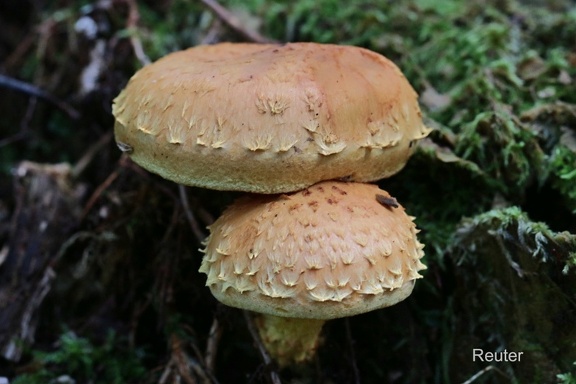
<point>132,25</point>
<point>34,91</point>
<point>233,22</point>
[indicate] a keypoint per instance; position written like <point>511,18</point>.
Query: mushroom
<point>332,250</point>
<point>250,117</point>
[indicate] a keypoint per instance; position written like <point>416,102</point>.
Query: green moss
<point>567,378</point>
<point>506,150</point>
<point>555,126</point>
<point>82,361</point>
<point>563,169</point>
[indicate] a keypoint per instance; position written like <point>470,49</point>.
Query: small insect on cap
<point>269,118</point>
<point>332,250</point>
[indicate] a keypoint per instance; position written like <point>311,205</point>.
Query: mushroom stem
<point>289,340</point>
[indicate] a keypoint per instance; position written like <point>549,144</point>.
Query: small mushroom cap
<point>269,118</point>
<point>332,250</point>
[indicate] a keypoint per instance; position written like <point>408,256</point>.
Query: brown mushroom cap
<point>269,118</point>
<point>332,250</point>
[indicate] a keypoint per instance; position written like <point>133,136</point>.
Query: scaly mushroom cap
<point>269,118</point>
<point>332,250</point>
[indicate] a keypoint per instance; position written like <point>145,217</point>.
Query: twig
<point>263,352</point>
<point>200,362</point>
<point>483,371</point>
<point>101,188</point>
<point>165,373</point>
<point>184,362</point>
<point>32,90</point>
<point>16,56</point>
<point>87,158</point>
<point>212,35</point>
<point>205,217</point>
<point>132,24</point>
<point>30,109</point>
<point>139,309</point>
<point>212,344</point>
<point>78,236</point>
<point>352,352</point>
<point>180,359</point>
<point>29,318</point>
<point>196,367</point>
<point>233,22</point>
<point>14,138</point>
<point>200,236</point>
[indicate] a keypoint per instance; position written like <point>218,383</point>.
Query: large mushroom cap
<point>269,118</point>
<point>332,250</point>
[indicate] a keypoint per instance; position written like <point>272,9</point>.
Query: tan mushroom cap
<point>269,118</point>
<point>332,250</point>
